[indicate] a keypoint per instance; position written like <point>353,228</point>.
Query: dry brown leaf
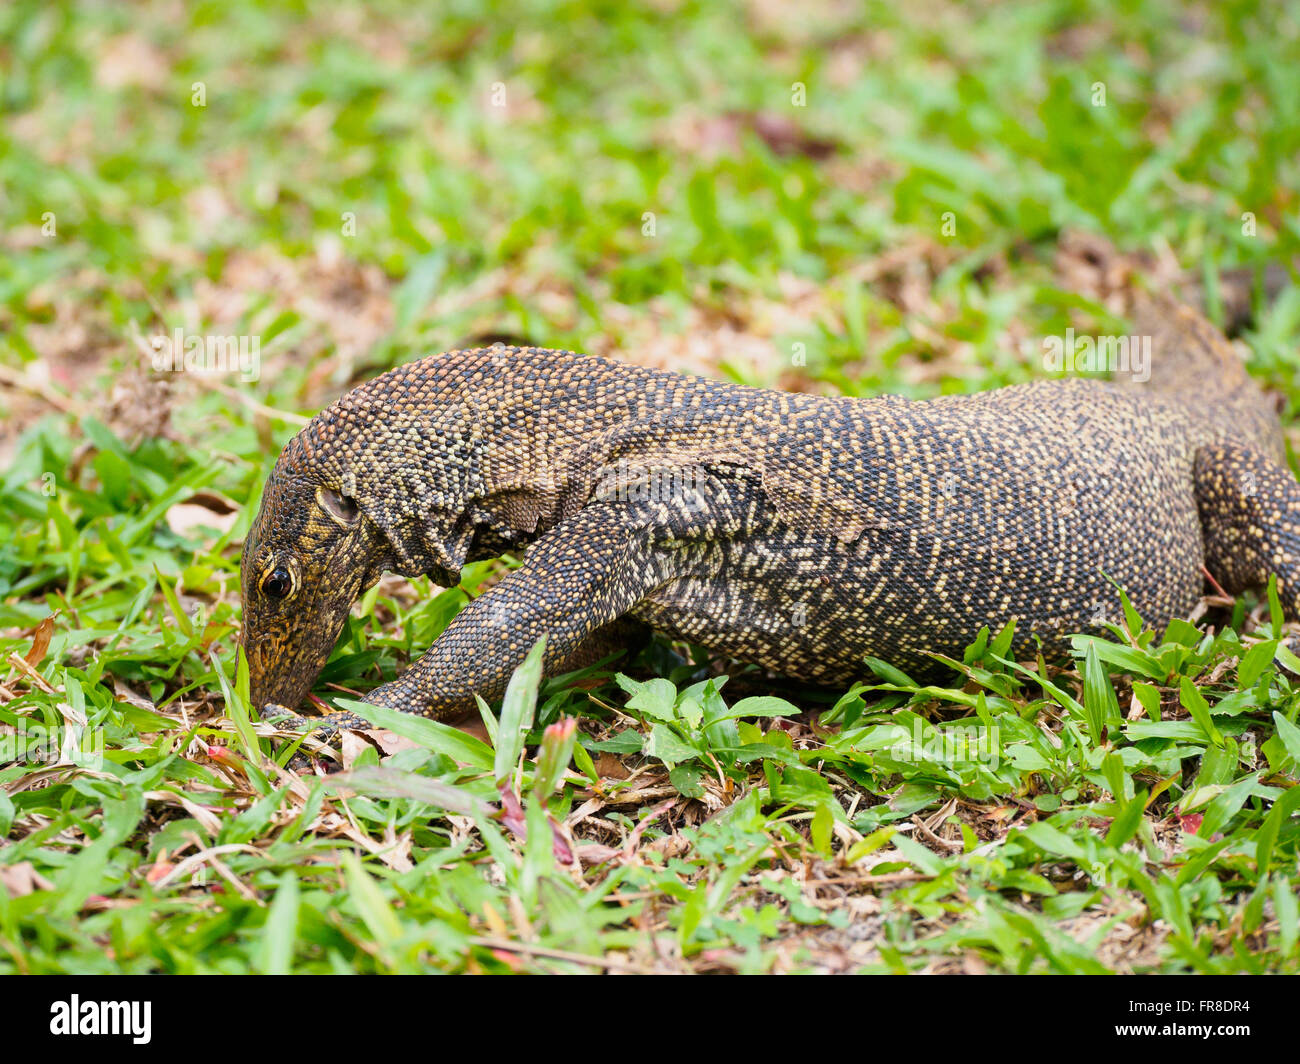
<point>609,767</point>
<point>396,853</point>
<point>22,878</point>
<point>185,517</point>
<point>593,853</point>
<point>351,746</point>
<point>390,742</point>
<point>40,641</point>
<point>132,60</point>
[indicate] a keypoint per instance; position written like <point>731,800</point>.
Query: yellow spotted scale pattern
<point>797,532</point>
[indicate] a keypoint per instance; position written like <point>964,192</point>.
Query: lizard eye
<point>277,583</point>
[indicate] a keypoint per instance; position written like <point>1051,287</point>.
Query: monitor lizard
<point>797,532</point>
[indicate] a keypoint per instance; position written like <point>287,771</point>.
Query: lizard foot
<point>327,727</point>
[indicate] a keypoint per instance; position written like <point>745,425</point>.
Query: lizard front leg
<point>582,575</point>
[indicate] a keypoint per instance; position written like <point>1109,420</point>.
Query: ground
<point>822,196</point>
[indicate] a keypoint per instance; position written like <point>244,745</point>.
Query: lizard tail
<point>1185,358</point>
<point>1187,354</point>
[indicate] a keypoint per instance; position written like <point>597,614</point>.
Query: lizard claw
<point>283,717</point>
<point>325,728</point>
<point>287,719</point>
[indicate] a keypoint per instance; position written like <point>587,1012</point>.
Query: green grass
<point>1131,812</point>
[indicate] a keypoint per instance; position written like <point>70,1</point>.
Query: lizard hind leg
<point>625,633</point>
<point>1250,517</point>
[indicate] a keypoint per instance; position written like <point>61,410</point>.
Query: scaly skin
<point>797,532</point>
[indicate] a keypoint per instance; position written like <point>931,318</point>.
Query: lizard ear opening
<point>341,509</point>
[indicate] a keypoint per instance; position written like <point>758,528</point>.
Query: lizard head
<point>309,553</point>
<point>395,475</point>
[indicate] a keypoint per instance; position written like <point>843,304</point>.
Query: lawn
<point>825,196</point>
